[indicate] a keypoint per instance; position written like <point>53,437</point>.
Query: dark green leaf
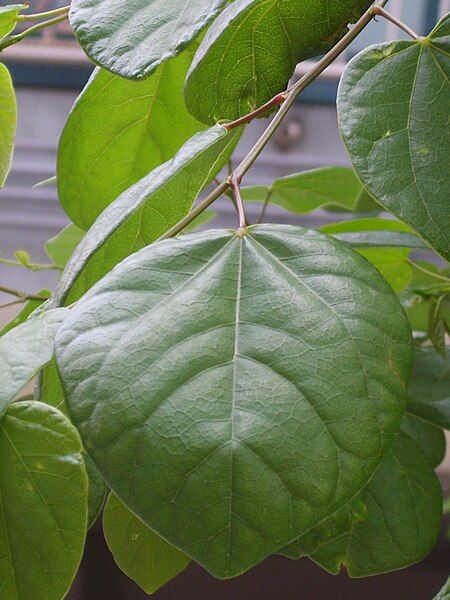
<point>250,52</point>
<point>429,389</point>
<point>117,132</point>
<point>26,349</point>
<point>25,312</point>
<point>131,39</point>
<point>251,377</point>
<point>8,18</point>
<point>43,503</point>
<point>60,248</point>
<point>140,553</point>
<point>49,388</point>
<point>436,325</point>
<point>147,210</point>
<point>8,122</point>
<point>393,106</point>
<point>431,439</point>
<point>97,490</point>
<point>331,188</point>
<point>404,508</point>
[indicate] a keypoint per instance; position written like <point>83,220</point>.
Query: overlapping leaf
<point>250,52</point>
<point>43,503</point>
<point>29,307</point>
<point>132,39</point>
<point>393,106</point>
<point>140,553</point>
<point>60,248</point>
<point>117,132</point>
<point>8,122</point>
<point>251,377</point>
<point>8,17</point>
<point>430,438</point>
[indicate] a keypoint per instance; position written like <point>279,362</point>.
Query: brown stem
<point>235,185</point>
<point>276,101</point>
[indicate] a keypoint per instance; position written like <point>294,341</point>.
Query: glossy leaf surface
<point>404,508</point>
<point>251,377</point>
<point>119,131</point>
<point>43,503</point>
<point>8,122</point>
<point>393,106</point>
<point>131,39</point>
<point>24,350</point>
<point>140,553</point>
<point>146,210</point>
<point>250,52</point>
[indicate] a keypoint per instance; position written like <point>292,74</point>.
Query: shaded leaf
<point>43,503</point>
<point>251,377</point>
<point>61,247</point>
<point>97,490</point>
<point>8,122</point>
<point>250,52</point>
<point>431,439</point>
<point>393,106</point>
<point>132,39</point>
<point>139,552</point>
<point>29,307</point>
<point>436,325</point>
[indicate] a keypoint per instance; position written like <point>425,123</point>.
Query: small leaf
<point>393,106</point>
<point>97,490</point>
<point>431,439</point>
<point>251,377</point>
<point>8,18</point>
<point>24,350</point>
<point>61,247</point>
<point>404,509</point>
<point>43,503</point>
<point>436,325</point>
<point>25,312</point>
<point>8,122</point>
<point>330,188</point>
<point>444,593</point>
<point>146,210</point>
<point>23,257</point>
<point>132,39</point>
<point>429,389</point>
<point>146,124</point>
<point>139,552</point>
<point>250,52</point>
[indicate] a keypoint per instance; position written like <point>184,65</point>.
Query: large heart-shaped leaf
<point>43,503</point>
<point>132,39</point>
<point>404,509</point>
<point>24,350</point>
<point>250,52</point>
<point>140,552</point>
<point>8,122</point>
<point>117,132</point>
<point>146,210</point>
<point>232,389</point>
<point>393,106</point>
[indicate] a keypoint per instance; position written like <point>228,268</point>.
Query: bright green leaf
<point>117,132</point>
<point>251,377</point>
<point>132,39</point>
<point>431,439</point>
<point>250,52</point>
<point>404,508</point>
<point>26,349</point>
<point>147,210</point>
<point>8,18</point>
<point>43,503</point>
<point>61,247</point>
<point>429,388</point>
<point>8,122</point>
<point>393,106</point>
<point>25,312</point>
<point>331,188</point>
<point>97,490</point>
<point>140,553</point>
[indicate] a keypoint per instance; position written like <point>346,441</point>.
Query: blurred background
<point>49,71</point>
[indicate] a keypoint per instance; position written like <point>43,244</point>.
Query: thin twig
<point>21,295</point>
<point>14,303</point>
<point>29,266</point>
<point>379,10</point>
<point>14,39</point>
<point>265,205</point>
<point>427,272</point>
<point>44,15</point>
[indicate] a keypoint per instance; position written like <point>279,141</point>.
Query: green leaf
<point>61,247</point>
<point>49,388</point>
<point>8,122</point>
<point>24,350</point>
<point>331,188</point>
<point>250,52</point>
<point>146,210</point>
<point>99,157</point>
<point>43,503</point>
<point>25,312</point>
<point>444,593</point>
<point>97,490</point>
<point>250,376</point>
<point>436,325</point>
<point>8,18</point>
<point>431,439</point>
<point>203,219</point>
<point>23,257</point>
<point>429,389</point>
<point>393,106</point>
<point>404,508</point>
<point>131,39</point>
<point>139,552</point>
